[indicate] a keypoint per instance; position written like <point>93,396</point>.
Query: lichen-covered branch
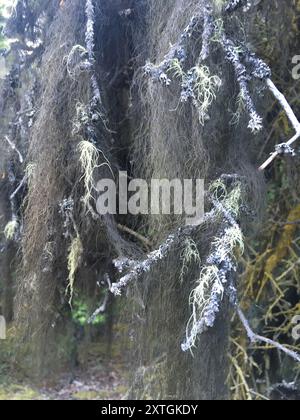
<point>90,45</point>
<point>233,5</point>
<point>208,31</point>
<point>139,268</point>
<point>244,76</point>
<point>216,278</point>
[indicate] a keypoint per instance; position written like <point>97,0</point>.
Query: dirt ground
<point>98,377</point>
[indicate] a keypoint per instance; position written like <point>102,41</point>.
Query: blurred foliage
<point>3,43</point>
<point>5,7</point>
<point>81,314</point>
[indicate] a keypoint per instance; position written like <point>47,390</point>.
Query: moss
<point>104,394</point>
<point>18,393</point>
<point>285,241</point>
<point>86,395</point>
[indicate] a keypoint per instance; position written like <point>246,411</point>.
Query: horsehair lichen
<point>158,72</point>
<point>50,149</point>
<point>75,253</point>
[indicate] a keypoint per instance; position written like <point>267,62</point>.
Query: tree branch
<point>136,235</point>
<point>14,148</point>
<point>254,338</point>
<point>21,185</point>
<point>138,268</point>
<point>103,306</point>
<point>291,116</point>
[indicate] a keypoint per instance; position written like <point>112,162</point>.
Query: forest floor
<point>97,378</point>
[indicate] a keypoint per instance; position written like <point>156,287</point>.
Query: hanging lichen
<point>74,261</point>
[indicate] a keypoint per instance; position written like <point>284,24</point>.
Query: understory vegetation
<point>160,89</point>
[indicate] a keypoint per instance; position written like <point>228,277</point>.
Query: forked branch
<point>285,147</point>
<point>255,338</point>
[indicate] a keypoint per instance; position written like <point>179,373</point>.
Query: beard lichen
<point>201,87</point>
<point>190,255</point>
<point>11,230</point>
<point>75,253</point>
<point>89,157</point>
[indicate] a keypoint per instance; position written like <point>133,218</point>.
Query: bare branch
<point>103,306</point>
<point>100,310</point>
<point>254,338</point>
<point>136,235</point>
<point>14,148</point>
<point>291,116</point>
<point>285,105</point>
<point>21,185</point>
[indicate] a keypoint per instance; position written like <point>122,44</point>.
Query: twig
<point>296,222</point>
<point>100,310</point>
<point>103,306</point>
<point>136,235</point>
<point>285,105</point>
<point>13,147</point>
<point>291,116</point>
<point>254,338</point>
<point>21,185</point>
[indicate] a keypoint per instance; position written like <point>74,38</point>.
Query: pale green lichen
<point>74,260</point>
<point>190,255</point>
<point>11,230</point>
